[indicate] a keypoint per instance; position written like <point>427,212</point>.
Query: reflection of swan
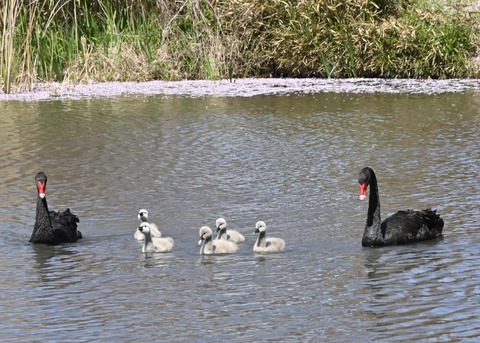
<point>218,246</point>
<point>264,244</point>
<point>400,228</point>
<point>154,231</point>
<point>52,227</point>
<point>154,244</point>
<point>229,235</point>
<point>43,256</point>
<point>54,264</point>
<point>394,275</point>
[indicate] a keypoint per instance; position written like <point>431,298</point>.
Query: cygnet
<point>264,244</point>
<point>154,244</point>
<point>143,217</point>
<point>217,246</point>
<point>229,235</point>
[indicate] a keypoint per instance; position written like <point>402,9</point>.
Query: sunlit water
<point>290,160</point>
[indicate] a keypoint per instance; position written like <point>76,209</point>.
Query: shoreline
<point>240,88</point>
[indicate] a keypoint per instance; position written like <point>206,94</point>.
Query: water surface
<point>291,160</point>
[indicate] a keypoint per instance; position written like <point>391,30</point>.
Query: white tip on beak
<point>42,195</point>
<point>362,197</point>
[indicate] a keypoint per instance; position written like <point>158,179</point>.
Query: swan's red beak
<point>363,191</point>
<point>41,189</point>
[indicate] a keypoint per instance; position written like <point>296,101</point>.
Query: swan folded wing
<point>223,247</point>
<point>233,236</point>
<point>275,243</point>
<point>432,224</point>
<point>65,226</point>
<point>160,244</point>
<point>409,225</point>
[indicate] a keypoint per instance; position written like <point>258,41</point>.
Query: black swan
<point>52,227</point>
<point>400,228</point>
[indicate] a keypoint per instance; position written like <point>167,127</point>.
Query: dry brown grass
<point>104,40</point>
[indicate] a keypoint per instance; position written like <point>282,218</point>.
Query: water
<point>291,160</point>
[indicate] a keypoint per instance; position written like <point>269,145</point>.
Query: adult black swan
<point>400,228</point>
<point>52,227</point>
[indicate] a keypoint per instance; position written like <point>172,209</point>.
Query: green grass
<point>105,40</point>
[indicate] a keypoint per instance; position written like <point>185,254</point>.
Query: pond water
<point>290,160</point>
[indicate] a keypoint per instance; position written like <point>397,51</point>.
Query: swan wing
<point>65,226</point>
<point>409,225</point>
<point>222,246</point>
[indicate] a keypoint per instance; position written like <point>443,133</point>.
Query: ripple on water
<point>413,289</point>
<point>291,161</point>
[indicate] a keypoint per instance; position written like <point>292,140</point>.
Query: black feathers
<point>400,228</point>
<point>52,227</point>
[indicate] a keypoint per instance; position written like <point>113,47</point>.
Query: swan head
<point>143,215</point>
<point>364,180</point>
<point>260,226</point>
<point>41,182</point>
<point>221,224</point>
<point>205,232</point>
<point>144,228</point>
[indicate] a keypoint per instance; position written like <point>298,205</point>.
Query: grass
<point>8,49</point>
<point>109,40</point>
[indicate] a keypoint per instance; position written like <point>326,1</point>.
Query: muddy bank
<point>241,88</point>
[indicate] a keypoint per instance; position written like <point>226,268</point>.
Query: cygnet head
<point>144,228</point>
<point>260,226</point>
<point>143,215</point>
<point>205,232</point>
<point>221,224</point>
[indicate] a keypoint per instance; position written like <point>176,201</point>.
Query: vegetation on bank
<point>139,40</point>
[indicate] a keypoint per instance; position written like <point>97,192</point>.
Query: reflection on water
<point>291,161</point>
<point>418,292</point>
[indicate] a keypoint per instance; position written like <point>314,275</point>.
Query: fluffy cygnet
<point>217,246</point>
<point>143,215</point>
<point>229,235</point>
<point>264,244</point>
<point>154,231</point>
<point>154,244</point>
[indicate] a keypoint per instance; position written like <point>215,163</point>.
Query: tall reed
<point>329,38</point>
<point>137,40</point>
<point>9,13</point>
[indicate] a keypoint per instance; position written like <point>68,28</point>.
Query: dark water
<point>290,160</point>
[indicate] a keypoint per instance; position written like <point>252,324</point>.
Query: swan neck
<point>43,213</point>
<point>43,229</point>
<point>147,242</point>
<point>373,217</point>
<point>373,233</point>
<point>207,243</point>
<point>261,239</point>
<point>221,233</point>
